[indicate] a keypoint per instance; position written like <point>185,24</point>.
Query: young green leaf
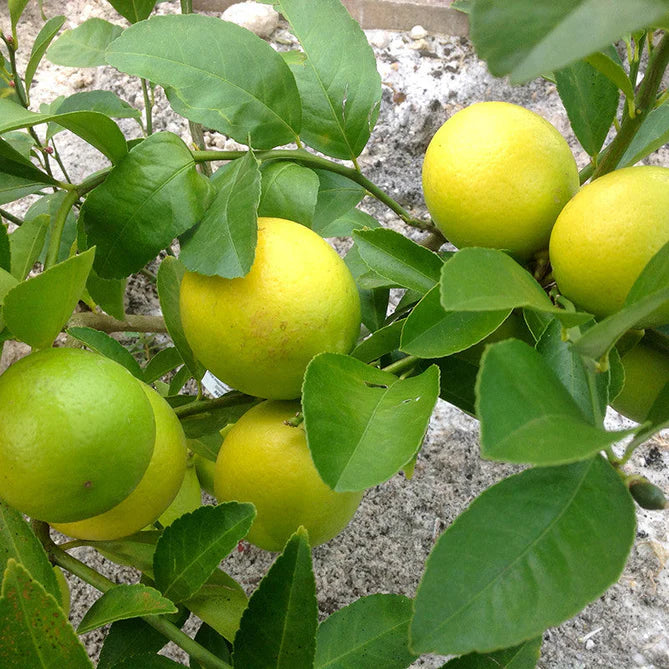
<point>223,242</point>
<point>26,244</point>
<point>610,66</point>
<point>108,294</point>
<point>369,633</point>
<point>653,134</point>
<point>50,204</point>
<point>133,10</point>
<point>353,219</point>
<point>548,541</point>
<point>129,638</point>
<point>278,628</point>
<point>44,38</point>
<point>338,80</point>
<point>34,630</point>
<point>527,414</point>
<point>20,141</point>
<point>154,194</point>
<point>104,102</point>
<point>85,45</point>
<point>363,424</point>
<point>337,195</point>
<point>161,363</point>
<point>253,98</point>
<point>523,656</point>
<point>383,341</point>
<point>102,343</point>
<point>191,548</point>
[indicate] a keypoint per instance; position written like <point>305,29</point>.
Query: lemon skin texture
<point>76,434</point>
<point>266,462</point>
<point>258,333</point>
<point>497,175</point>
<point>606,235</point>
<point>158,487</point>
<point>646,373</point>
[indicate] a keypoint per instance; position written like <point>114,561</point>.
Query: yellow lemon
<point>266,462</point>
<point>258,333</point>
<point>497,175</point>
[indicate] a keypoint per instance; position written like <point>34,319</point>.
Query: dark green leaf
<point>147,661</point>
<point>129,638</point>
<point>383,341</point>
<point>5,255</point>
<point>85,45</point>
<point>46,34</point>
<point>371,632</point>
<point>608,63</point>
<point>537,547</point>
<point>251,98</point>
<point>136,551</point>
<point>653,134</point>
<point>215,418</point>
<point>14,188</point>
<point>337,195</point>
<point>108,294</point>
<point>353,219</point>
<point>338,81</point>
<point>191,548</point>
<point>154,194</point>
<point>26,244</point>
<point>102,343</point>
<point>524,656</point>
<point>104,102</point>
<point>288,191</point>
<point>13,163</point>
<point>133,10</point>
<point>457,381</point>
<point>373,302</point>
<point>209,638</point>
<point>224,241</point>
<point>278,628</point>
<point>161,363</point>
<point>363,424</point>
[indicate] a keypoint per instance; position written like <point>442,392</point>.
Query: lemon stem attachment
<point>399,366</point>
<point>297,420</point>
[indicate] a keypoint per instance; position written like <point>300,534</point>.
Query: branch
<point>132,322</point>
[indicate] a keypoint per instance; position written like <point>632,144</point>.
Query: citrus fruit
<point>188,498</point>
<point>606,235</point>
<point>266,462</point>
<point>76,434</point>
<point>205,473</point>
<point>258,333</point>
<point>646,373</point>
<point>154,493</point>
<point>497,175</point>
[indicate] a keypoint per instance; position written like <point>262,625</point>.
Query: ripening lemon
<point>155,492</point>
<point>497,175</point>
<point>76,434</point>
<point>606,235</point>
<point>258,333</point>
<point>266,462</point>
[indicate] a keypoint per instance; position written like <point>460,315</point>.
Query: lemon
<point>76,434</point>
<point>259,332</point>
<point>187,499</point>
<point>606,235</point>
<point>497,175</point>
<point>158,487</point>
<point>266,462</point>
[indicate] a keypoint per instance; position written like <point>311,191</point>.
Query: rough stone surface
<point>385,546</point>
<point>260,19</point>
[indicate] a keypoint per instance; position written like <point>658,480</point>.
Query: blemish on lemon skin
<point>88,484</point>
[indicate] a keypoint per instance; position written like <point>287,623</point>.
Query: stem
<point>202,406</point>
<point>56,155</point>
<point>401,365</point>
<point>186,6</point>
<point>10,217</point>
<point>93,181</point>
<point>197,134</point>
<point>59,223</point>
<point>148,107</point>
<point>18,83</point>
<point>132,322</point>
<point>644,103</point>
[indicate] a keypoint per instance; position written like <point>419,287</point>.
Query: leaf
<point>26,244</point>
<point>224,241</point>
<point>50,204</point>
<point>654,277</point>
<point>383,341</point>
<point>136,551</point>
<point>133,10</point>
<point>12,162</point>
<point>20,141</point>
<point>153,195</point>
<point>431,332</point>
<point>653,134</point>
<point>374,302</point>
<point>108,294</point>
<point>35,632</point>
<point>524,41</point>
<point>591,101</point>
<point>527,414</point>
<point>44,37</point>
<point>289,191</point>
<point>18,542</point>
<point>338,80</point>
<point>161,363</point>
<point>122,602</point>
<point>16,8</point>
<point>337,195</point>
<point>85,45</point>
<point>129,638</point>
<point>146,661</point>
<point>611,67</point>
<point>371,632</point>
<point>524,656</point>
<point>278,628</point>
<point>104,102</point>
<point>252,98</point>
<point>537,546</point>
<point>457,379</point>
<point>5,256</point>
<point>477,279</point>
<point>215,418</point>
<point>14,188</point>
<point>102,343</point>
<point>353,219</point>
<point>397,258</point>
<point>213,641</point>
<point>192,547</point>
<point>363,424</point>
<point>36,310</point>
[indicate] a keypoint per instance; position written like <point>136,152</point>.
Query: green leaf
<point>161,363</point>
<point>213,641</point>
<point>168,282</point>
<point>5,254</point>
<point>353,219</point>
<point>215,418</point>
<point>527,414</point>
<point>147,661</point>
<point>50,204</point>
<point>431,332</point>
<point>369,633</point>
<point>524,656</point>
<point>18,542</point>
<point>476,279</point>
<point>374,302</point>
<point>653,134</point>
<point>529,553</point>
<point>457,379</point>
<point>45,36</point>
<point>35,631</point>
<point>654,277</point>
<point>129,638</point>
<point>14,188</point>
<point>26,244</point>
<point>13,163</point>
<point>85,45</point>
<point>16,8</point>
<point>36,310</point>
<point>397,258</point>
<point>7,282</point>
<point>383,341</point>
<point>613,70</point>
<point>288,191</point>
<point>252,98</point>
<point>104,102</point>
<point>337,195</point>
<point>524,41</point>
<point>224,241</point>
<point>20,141</point>
<point>153,195</point>
<point>338,80</point>
<point>278,628</point>
<point>591,101</point>
<point>108,294</point>
<point>102,343</point>
<point>363,424</point>
<point>191,548</point>
<point>136,551</point>
<point>123,602</point>
<point>133,10</point>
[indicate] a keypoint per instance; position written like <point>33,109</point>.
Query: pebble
<point>418,32</point>
<point>260,19</point>
<point>379,38</point>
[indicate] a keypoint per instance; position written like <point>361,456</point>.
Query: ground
<point>384,548</point>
